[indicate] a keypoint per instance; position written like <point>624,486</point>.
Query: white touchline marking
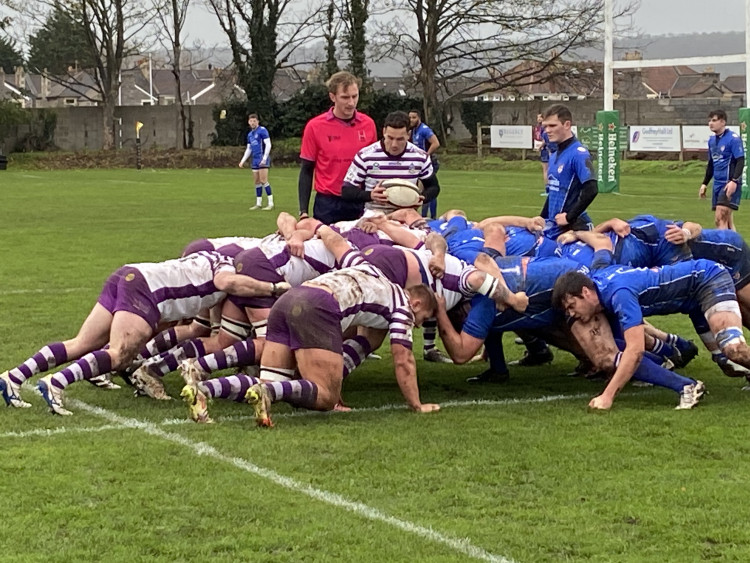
<point>60,430</point>
<point>50,290</point>
<point>390,407</point>
<point>462,545</point>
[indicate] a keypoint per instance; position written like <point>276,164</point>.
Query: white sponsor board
<point>510,137</point>
<point>695,137</point>
<point>655,138</point>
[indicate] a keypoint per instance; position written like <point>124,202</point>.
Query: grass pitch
<point>519,471</point>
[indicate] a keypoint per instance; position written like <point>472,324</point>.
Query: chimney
<point>633,56</point>
<point>20,77</point>
<point>45,85</point>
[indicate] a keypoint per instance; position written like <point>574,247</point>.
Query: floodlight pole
<point>609,54</point>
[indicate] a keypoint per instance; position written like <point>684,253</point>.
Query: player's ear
<point>332,97</point>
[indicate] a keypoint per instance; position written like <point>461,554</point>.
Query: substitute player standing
<point>726,159</point>
<point>259,147</point>
<point>329,143</point>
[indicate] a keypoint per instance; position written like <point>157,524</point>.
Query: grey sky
<point>659,17</point>
<point>654,17</point>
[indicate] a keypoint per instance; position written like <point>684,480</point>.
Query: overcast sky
<point>654,17</point>
<point>659,17</point>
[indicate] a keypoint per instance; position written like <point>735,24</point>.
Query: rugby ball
<point>401,193</point>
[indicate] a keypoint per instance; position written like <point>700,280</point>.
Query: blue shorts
<point>256,165</point>
<point>720,197</point>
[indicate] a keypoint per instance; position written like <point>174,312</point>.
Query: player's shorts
<point>720,198</point>
<point>256,165</point>
<point>391,261</point>
<point>198,246</point>
<point>717,288</point>
<point>332,209</point>
<point>255,264</point>
<point>741,270</point>
<point>306,317</point>
<point>127,290</point>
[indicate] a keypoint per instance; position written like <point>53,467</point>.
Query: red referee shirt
<point>331,143</point>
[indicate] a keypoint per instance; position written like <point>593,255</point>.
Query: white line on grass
<point>50,290</point>
<point>61,430</point>
<point>461,545</point>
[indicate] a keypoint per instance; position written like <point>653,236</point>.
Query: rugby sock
<point>298,393</point>
<point>238,354</point>
<point>45,359</point>
<point>89,366</point>
<point>170,361</point>
<point>429,334</point>
<point>267,186</point>
<point>493,344</point>
<point>661,348</point>
<point>162,342</point>
<point>653,373</point>
<point>258,194</point>
<point>355,352</point>
<point>232,387</point>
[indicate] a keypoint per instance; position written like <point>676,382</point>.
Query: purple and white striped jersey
<point>184,286</point>
<point>318,260</point>
<point>454,286</point>
<point>372,164</point>
<point>367,298</point>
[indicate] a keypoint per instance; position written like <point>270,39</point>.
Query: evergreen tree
<point>61,43</point>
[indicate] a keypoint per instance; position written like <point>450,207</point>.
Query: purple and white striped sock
<point>429,334</point>
<point>169,361</point>
<point>355,352</point>
<point>162,342</point>
<point>232,387</point>
<point>88,366</point>
<point>238,354</point>
<point>44,360</point>
<point>298,392</point>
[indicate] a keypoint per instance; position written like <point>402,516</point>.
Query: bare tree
<point>170,17</point>
<point>263,35</point>
<point>455,46</point>
<point>112,30</point>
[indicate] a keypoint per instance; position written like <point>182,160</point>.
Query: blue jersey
<point>420,136</point>
<point>569,168</point>
<point>724,150</point>
<point>519,241</point>
<point>535,276</point>
<point>727,248</point>
<point>256,138</point>
<point>463,240</point>
<point>634,293</point>
<point>656,250</point>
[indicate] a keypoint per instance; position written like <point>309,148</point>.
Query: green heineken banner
<point>744,127</point>
<point>589,136</point>
<point>608,151</point>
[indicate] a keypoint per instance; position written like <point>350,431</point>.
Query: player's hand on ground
<point>437,266</point>
<point>601,403</point>
<point>731,188</point>
<point>378,194</point>
<point>567,238</point>
<point>426,407</point>
<point>702,191</point>
<point>675,235</point>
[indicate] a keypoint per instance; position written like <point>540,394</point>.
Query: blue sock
<point>258,191</point>
<point>662,349</point>
<point>653,373</point>
<point>494,346</point>
<point>268,189</point>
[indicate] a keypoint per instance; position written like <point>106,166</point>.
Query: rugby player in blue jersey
<point>701,288</point>
<point>425,138</point>
<point>726,159</point>
<point>571,178</point>
<point>259,148</point>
